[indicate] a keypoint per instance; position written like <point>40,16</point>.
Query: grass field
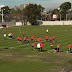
<point>21,57</point>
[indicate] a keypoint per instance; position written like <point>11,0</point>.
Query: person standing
<point>41,46</point>
<point>24,39</point>
<point>9,35</point>
<point>23,34</point>
<point>47,30</point>
<point>32,38</point>
<point>4,36</point>
<point>28,40</point>
<point>50,38</point>
<point>51,45</point>
<point>38,39</point>
<point>18,39</point>
<point>38,46</point>
<point>58,47</point>
<point>46,38</point>
<point>12,35</point>
<point>69,47</point>
<point>53,39</point>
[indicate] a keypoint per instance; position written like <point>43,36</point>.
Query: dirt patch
<point>66,69</point>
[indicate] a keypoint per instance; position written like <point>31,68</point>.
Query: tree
<point>16,14</point>
<point>64,8</point>
<point>6,12</point>
<point>32,13</point>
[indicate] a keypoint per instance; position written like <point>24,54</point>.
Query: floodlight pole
<point>2,16</point>
<point>60,17</point>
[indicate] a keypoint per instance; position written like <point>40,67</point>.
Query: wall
<point>57,22</point>
<point>8,24</point>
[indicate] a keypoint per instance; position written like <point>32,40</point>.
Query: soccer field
<point>16,57</point>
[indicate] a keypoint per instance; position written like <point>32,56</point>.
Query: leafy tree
<point>64,8</point>
<point>32,13</point>
<point>6,12</point>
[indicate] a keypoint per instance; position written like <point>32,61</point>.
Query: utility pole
<point>2,16</point>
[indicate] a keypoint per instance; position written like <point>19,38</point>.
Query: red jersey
<point>41,45</point>
<point>20,38</point>
<point>50,38</point>
<point>38,40</point>
<point>33,44</point>
<point>28,39</point>
<point>32,37</point>
<point>69,46</point>
<point>24,38</point>
<point>58,46</point>
<point>11,34</point>
<point>53,37</point>
<point>46,37</point>
<point>51,44</point>
<point>23,32</point>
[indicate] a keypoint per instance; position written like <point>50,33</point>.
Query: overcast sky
<point>47,4</point>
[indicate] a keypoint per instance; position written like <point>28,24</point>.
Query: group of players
<point>40,44</point>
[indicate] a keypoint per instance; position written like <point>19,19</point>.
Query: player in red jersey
<point>69,47</point>
<point>51,45</point>
<point>58,46</point>
<point>50,38</point>
<point>33,46</point>
<point>41,46</point>
<point>46,38</point>
<point>38,39</point>
<point>28,40</point>
<point>23,34</point>
<point>12,35</point>
<point>53,39</point>
<point>32,38</point>
<point>20,39</point>
<point>24,39</point>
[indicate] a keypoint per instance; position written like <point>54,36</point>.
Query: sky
<point>47,4</point>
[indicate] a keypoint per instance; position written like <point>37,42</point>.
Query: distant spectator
<point>4,36</point>
<point>47,30</point>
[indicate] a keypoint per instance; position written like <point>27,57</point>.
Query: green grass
<point>21,57</point>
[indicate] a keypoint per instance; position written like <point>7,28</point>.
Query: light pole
<point>66,13</point>
<point>60,13</point>
<point>2,16</point>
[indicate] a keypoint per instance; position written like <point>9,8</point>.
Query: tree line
<point>33,12</point>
